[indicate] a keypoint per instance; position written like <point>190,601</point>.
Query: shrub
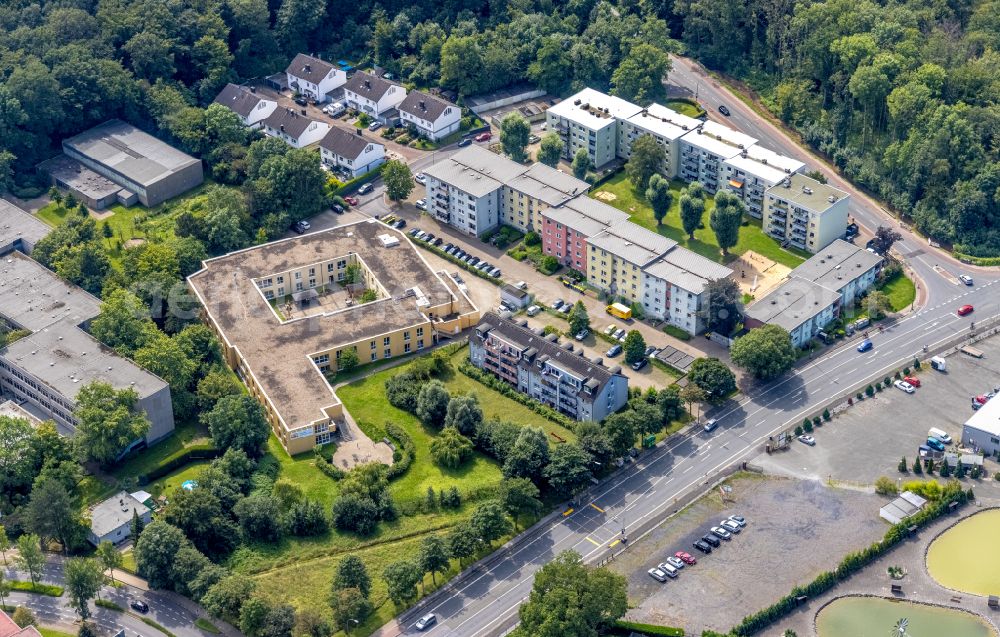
<point>906,371</point>
<point>885,486</point>
<point>405,448</point>
<point>180,459</point>
<point>826,415</point>
<point>798,430</point>
<point>869,391</point>
<point>816,421</point>
<point>649,629</point>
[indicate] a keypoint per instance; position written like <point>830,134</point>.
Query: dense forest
<point>902,95</point>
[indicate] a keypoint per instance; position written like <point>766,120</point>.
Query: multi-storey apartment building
<point>665,125</point>
<point>286,314</point>
<point>674,285</point>
<point>475,190</point>
<point>589,120</point>
<point>538,366</point>
<point>703,151</point>
<point>567,228</point>
<point>753,171</point>
<point>47,368</point>
<point>617,256</point>
<point>805,213</point>
<point>817,291</point>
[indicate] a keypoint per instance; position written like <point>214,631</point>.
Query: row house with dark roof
<point>552,373</point>
<point>376,96</point>
<point>294,127</point>
<point>354,153</point>
<point>251,108</point>
<point>313,77</point>
<point>433,117</point>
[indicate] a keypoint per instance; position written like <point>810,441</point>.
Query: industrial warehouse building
<point>117,162</point>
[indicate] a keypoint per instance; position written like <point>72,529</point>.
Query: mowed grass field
<point>751,237</point>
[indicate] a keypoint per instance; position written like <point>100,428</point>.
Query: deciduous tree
<point>398,179</point>
<point>635,347</point>
<point>568,470</point>
<point>766,352</point>
<point>450,448</point>
<point>659,196</point>
<point>646,159</point>
<point>237,422</point>
<point>107,421</point>
<point>528,456</point>
<point>84,578</point>
<point>550,149</point>
<point>713,376</point>
<point>464,414</point>
<point>581,163</point>
<point>514,133</point>
<point>432,403</point>
<point>726,218</point>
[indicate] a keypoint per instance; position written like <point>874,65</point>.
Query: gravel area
<point>868,439</point>
<point>795,529</point>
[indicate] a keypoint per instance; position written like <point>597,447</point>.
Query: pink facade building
<point>566,229</point>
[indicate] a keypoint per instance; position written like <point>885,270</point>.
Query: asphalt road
<point>57,611</point>
<point>482,604</point>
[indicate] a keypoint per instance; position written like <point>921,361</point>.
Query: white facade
<point>982,431</point>
<point>805,213</point>
<point>314,78</point>
<point>432,117</point>
<point>370,158</point>
<point>311,133</point>
<point>589,120</point>
<point>674,288</point>
<point>704,150</point>
<point>260,112</point>
<point>367,94</point>
<point>472,213</point>
<point>665,125</point>
<point>753,171</point>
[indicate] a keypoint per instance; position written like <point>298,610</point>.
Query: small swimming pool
<point>189,485</point>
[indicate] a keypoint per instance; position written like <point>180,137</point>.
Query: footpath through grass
<point>751,236</point>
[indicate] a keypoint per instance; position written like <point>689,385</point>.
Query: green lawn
<point>48,632</point>
<point>184,435</point>
<point>167,484</point>
<point>685,107</point>
<point>751,235</point>
<point>901,292</point>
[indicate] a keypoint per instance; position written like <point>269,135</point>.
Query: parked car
<point>437,242</point>
<point>619,334</point>
<point>865,345</point>
<point>301,101</point>
<point>639,364</point>
<point>675,561</point>
<point>533,310</point>
<point>582,334</point>
<point>940,435</point>
<point>721,532</point>
<point>913,380</point>
<point>650,351</point>
<point>464,142</point>
<point>473,261</point>
<point>414,232</point>
<point>495,272</point>
<point>521,285</point>
<point>534,139</point>
<point>904,386</point>
<point>710,424</point>
<point>965,278</point>
<point>426,622</point>
<point>399,224</point>
<point>421,204</point>
<point>703,546</point>
<point>614,351</point>
<point>609,330</point>
<point>807,439</point>
<point>730,526</point>
<point>557,304</point>
<point>300,226</point>
<point>711,539</point>
<point>420,178</point>
<point>484,137</point>
<point>685,557</point>
<point>351,199</point>
<point>139,605</point>
<point>657,574</point>
<point>935,444</point>
<point>668,568</point>
<point>365,189</point>
<point>964,310</point>
<point>429,237</point>
<point>374,126</point>
<point>338,208</point>
<point>739,519</point>
<point>724,110</point>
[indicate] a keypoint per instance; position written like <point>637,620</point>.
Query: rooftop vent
<point>576,102</point>
<point>597,360</point>
<point>832,198</point>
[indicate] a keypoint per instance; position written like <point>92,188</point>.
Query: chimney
<point>303,111</point>
<point>253,89</point>
<point>360,134</point>
<point>282,128</point>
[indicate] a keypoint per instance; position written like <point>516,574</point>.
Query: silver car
<point>718,531</point>
<point>426,621</point>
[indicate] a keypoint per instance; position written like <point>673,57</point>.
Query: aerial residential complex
<point>815,292</point>
<point>116,162</point>
<point>285,314</point>
<point>475,190</point>
<point>805,213</point>
<point>45,370</point>
<point>705,151</point>
<point>553,374</point>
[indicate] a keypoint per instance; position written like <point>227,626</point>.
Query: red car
<point>351,200</point>
<point>484,137</point>
<point>965,309</point>
<point>913,380</point>
<point>685,557</point>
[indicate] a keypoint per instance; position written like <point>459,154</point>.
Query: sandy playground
<point>756,274</point>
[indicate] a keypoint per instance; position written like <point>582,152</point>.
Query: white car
<point>905,386</point>
<point>739,519</point>
<point>426,622</point>
<point>421,204</point>
<point>521,285</point>
<point>730,526</point>
<point>609,330</point>
<point>669,569</point>
<point>718,531</point>
<point>420,178</point>
<point>676,562</point>
<point>807,439</point>
<point>657,574</point>
<point>533,310</point>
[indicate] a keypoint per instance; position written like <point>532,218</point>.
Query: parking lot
<point>868,439</point>
<point>795,529</point>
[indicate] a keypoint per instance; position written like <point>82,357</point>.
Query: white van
<point>934,432</point>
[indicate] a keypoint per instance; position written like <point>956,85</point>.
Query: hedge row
<point>462,264</point>
<point>650,629</point>
<point>350,186</point>
<point>39,589</point>
<point>405,450</point>
<point>852,563</point>
<point>178,460</point>
<point>328,468</point>
<point>498,385</point>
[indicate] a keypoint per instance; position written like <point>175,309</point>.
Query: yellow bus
<point>621,311</point>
